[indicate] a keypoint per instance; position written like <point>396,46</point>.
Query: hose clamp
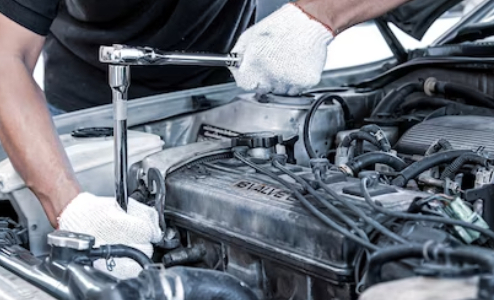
<point>109,260</point>
<point>380,135</point>
<point>346,169</point>
<point>425,249</point>
<point>430,86</point>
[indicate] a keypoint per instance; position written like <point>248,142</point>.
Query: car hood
<point>415,17</point>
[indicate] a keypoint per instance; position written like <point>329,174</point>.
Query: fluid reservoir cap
<point>66,239</point>
<point>257,140</point>
<point>93,132</point>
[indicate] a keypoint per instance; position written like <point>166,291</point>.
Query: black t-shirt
<point>74,78</point>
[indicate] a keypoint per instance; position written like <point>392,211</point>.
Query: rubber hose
<point>471,255</point>
<point>455,90</point>
<point>185,256</point>
<point>393,99</point>
<point>372,129</point>
<point>366,160</point>
<point>425,102</point>
<point>425,164</point>
<point>308,119</point>
<point>456,165</point>
<point>202,284</point>
<point>121,251</point>
<point>359,135</point>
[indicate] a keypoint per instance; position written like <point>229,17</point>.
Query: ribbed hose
<point>458,163</point>
<point>393,99</point>
<point>369,159</point>
<point>425,164</point>
<point>471,255</point>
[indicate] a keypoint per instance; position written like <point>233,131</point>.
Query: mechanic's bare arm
<point>27,132</point>
<point>342,14</point>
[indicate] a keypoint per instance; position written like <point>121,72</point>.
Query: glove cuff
<point>64,209</point>
<point>83,208</point>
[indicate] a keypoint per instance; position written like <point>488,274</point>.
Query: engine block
<point>256,230</point>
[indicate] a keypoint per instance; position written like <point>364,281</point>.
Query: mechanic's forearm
<point>342,14</point>
<point>29,138</point>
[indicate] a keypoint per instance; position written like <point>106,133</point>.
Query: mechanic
<point>284,53</point>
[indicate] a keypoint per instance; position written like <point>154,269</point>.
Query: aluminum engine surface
<point>261,224</point>
<point>463,132</point>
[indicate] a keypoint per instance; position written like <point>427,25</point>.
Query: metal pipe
<point>119,80</point>
<point>10,261</point>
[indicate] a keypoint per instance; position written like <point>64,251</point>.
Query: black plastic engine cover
<point>231,204</point>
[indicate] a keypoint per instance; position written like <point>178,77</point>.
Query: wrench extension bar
<point>145,56</point>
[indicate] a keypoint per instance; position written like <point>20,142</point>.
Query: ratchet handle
<point>141,56</point>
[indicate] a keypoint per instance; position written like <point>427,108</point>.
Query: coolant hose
<point>424,102</point>
<point>308,120</point>
<point>186,256</point>
<point>358,136</point>
<point>121,251</point>
<point>380,136</point>
<point>456,165</point>
<point>202,284</point>
<point>369,159</point>
<point>425,164</point>
<point>374,129</point>
<point>394,98</point>
<point>455,90</point>
<point>471,255</point>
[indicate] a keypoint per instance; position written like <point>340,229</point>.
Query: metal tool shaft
<point>143,56</point>
<point>120,58</point>
<point>119,79</point>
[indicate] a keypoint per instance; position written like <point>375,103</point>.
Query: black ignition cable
<point>415,217</point>
<point>315,211</point>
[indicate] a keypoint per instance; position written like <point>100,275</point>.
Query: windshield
<point>364,43</point>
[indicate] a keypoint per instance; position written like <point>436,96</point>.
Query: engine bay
<point>325,195</point>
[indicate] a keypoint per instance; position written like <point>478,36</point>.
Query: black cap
<point>257,140</point>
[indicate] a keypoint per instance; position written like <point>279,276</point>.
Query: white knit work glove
<point>285,53</point>
<point>104,219</point>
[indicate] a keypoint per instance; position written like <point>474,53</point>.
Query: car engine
<point>327,195</point>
